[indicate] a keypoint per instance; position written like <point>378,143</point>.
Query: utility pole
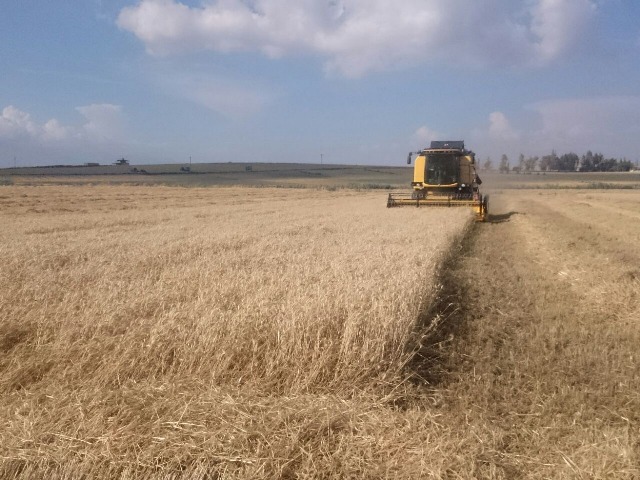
<point>189,159</point>
<point>321,155</point>
<point>15,162</point>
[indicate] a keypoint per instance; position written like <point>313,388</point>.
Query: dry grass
<point>215,333</point>
<point>545,380</point>
<point>157,332</point>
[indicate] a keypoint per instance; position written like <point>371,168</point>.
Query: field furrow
<point>544,382</point>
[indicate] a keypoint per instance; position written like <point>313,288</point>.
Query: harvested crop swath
<point>163,331</point>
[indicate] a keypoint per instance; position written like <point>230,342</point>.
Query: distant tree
<point>593,162</point>
<point>609,165</point>
<point>598,161</point>
<point>504,164</point>
<point>571,162</point>
<point>488,164</point>
<point>625,165</point>
<point>549,162</point>
<point>520,163</point>
<point>587,163</point>
<point>554,160</point>
<point>545,163</point>
<point>568,162</point>
<point>530,164</point>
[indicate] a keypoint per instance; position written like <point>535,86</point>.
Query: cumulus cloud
<point>423,135</point>
<point>100,130</point>
<point>500,128</point>
<point>610,125</point>
<point>102,122</point>
<point>558,25</point>
<point>355,37</point>
<point>16,123</point>
<point>53,130</point>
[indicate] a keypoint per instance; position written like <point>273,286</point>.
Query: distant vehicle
<point>92,164</point>
<point>121,161</point>
<point>444,176</point>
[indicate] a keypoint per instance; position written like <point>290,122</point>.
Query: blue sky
<point>360,81</point>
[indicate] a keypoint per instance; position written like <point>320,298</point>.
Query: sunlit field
<point>228,332</point>
<point>156,332</point>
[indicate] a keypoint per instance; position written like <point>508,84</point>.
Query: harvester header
<point>444,175</point>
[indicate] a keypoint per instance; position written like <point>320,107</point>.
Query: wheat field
<point>162,332</point>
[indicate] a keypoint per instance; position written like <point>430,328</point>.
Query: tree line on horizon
<point>568,162</point>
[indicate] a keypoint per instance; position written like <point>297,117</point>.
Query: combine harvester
<point>444,176</point>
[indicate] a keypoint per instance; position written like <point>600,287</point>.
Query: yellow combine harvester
<point>444,176</point>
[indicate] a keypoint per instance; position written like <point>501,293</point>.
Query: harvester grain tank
<point>444,175</point>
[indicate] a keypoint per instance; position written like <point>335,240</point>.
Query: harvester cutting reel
<point>478,202</point>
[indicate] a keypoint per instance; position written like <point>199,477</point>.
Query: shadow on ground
<point>452,312</point>
<point>501,217</point>
<point>444,319</point>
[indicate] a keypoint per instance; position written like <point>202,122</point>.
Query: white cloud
<point>55,131</point>
<point>16,123</point>
<point>558,25</point>
<point>355,37</point>
<point>607,124</point>
<point>232,99</point>
<point>51,141</point>
<point>103,121</point>
<point>500,128</point>
<point>610,125</point>
<point>423,135</point>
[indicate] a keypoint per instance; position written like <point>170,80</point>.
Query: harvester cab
<point>444,175</point>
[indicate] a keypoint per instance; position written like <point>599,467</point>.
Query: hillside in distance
<point>301,175</point>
